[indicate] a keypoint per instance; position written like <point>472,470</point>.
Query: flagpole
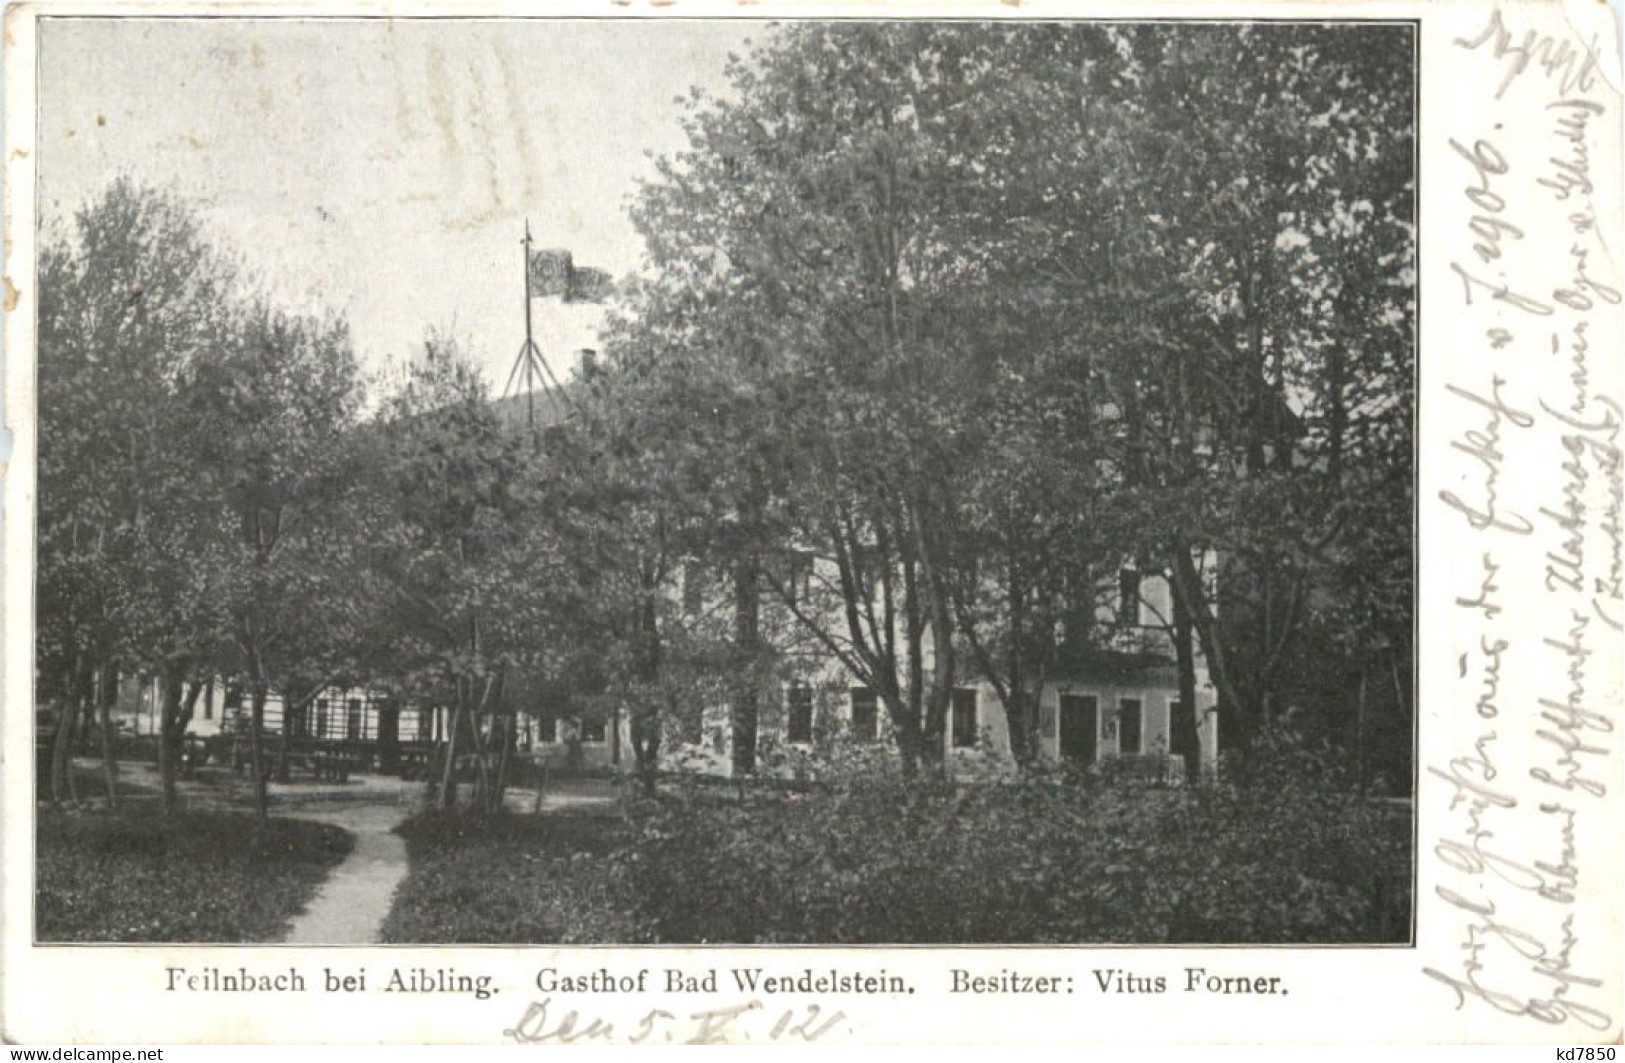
<point>530,367</point>
<point>530,344</point>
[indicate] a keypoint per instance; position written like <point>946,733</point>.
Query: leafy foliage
<point>505,879</point>
<point>977,314</point>
<point>200,876</point>
<point>1041,859</point>
<point>881,859</point>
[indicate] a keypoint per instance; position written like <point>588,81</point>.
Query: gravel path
<point>350,907</point>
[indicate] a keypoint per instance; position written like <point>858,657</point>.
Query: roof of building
<point>549,407</point>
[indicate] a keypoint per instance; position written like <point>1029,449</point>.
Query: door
<point>1080,724</point>
<point>389,736</point>
<point>1131,726</point>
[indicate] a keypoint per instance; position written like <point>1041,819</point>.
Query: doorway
<point>1080,727</point>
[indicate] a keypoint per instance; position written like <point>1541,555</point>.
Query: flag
<point>588,285</point>
<point>550,273</point>
<point>553,272</point>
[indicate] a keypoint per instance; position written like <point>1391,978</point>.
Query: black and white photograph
<point>725,482</point>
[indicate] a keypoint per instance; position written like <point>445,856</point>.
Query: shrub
<point>1050,857</point>
<point>132,875</point>
<point>492,879</point>
<point>1103,856</point>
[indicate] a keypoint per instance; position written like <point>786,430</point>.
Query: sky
<point>385,168</point>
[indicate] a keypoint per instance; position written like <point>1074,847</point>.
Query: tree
<point>622,531</point>
<point>924,272</point>
<point>686,364</point>
<point>806,211</point>
<point>473,582</point>
<point>128,302</point>
<point>1223,213</point>
<point>275,405</point>
<point>1288,223</point>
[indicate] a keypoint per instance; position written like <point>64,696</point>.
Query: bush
<point>493,879</point>
<point>1105,856</point>
<point>132,875</point>
<point>1287,857</point>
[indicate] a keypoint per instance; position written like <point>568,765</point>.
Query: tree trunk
<point>905,729</point>
<point>1017,722</point>
<point>646,746</point>
<point>283,771</point>
<point>939,695</point>
<point>256,752</point>
<point>67,718</point>
<point>168,713</point>
<point>747,655</point>
<point>1019,726</point>
<point>107,696</point>
<point>483,784</point>
<point>504,755</point>
<point>1359,731</point>
<point>447,799</point>
<point>1183,730</point>
<point>486,783</point>
<point>59,750</point>
<point>83,716</point>
<point>646,714</point>
<point>1236,712</point>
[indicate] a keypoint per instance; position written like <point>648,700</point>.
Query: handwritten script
<point>546,1023</point>
<point>1525,791</point>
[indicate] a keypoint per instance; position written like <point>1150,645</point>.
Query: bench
<point>414,763</point>
<point>333,768</point>
<point>194,755</point>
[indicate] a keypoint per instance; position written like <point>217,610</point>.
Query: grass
<point>90,783</point>
<point>507,879</point>
<point>133,875</point>
<point>1284,854</point>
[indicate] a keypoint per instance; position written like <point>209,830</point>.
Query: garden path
<point>350,907</point>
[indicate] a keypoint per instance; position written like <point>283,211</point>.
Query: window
<point>352,718</point>
<point>799,709</point>
<point>547,728</point>
<point>793,573</point>
<point>593,730</point>
<point>865,715</point>
<point>321,717</point>
<point>208,701</point>
<point>1129,725</point>
<point>1128,596</point>
<point>1080,727</point>
<point>868,567</point>
<point>425,725</point>
<point>964,709</point>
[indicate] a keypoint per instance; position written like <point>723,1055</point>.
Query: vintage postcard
<point>809,523</point>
